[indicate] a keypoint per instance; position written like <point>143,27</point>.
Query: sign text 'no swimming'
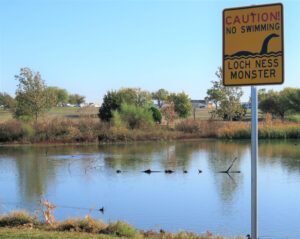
<point>253,45</point>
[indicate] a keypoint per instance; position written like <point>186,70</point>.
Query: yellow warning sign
<point>253,45</point>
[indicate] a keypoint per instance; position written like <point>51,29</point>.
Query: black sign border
<point>223,45</point>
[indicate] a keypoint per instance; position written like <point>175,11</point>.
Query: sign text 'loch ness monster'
<point>253,45</point>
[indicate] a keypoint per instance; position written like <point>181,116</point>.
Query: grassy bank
<point>21,225</point>
<point>266,130</point>
<point>91,130</point>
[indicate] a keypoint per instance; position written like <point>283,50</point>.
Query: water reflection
<point>282,152</point>
<point>30,173</point>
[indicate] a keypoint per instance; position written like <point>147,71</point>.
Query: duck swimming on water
<point>169,171</point>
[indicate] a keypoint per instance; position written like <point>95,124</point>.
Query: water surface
<point>75,178</point>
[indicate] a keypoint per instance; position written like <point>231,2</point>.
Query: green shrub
<point>117,119</point>
<point>16,218</point>
<point>156,114</point>
<point>133,117</point>
<point>111,101</point>
<point>28,132</point>
<point>122,229</point>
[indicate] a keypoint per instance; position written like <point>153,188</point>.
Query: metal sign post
<point>253,54</point>
<point>254,147</point>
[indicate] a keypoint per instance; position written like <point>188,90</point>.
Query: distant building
<point>94,104</point>
<point>246,105</point>
<point>199,103</point>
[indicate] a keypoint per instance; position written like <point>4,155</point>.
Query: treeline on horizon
<point>130,113</point>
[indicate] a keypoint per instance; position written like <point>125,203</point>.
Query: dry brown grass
<point>267,129</point>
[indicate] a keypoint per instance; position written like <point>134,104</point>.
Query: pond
<point>77,177</point>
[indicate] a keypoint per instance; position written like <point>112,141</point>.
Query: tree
<point>226,99</point>
<point>135,96</point>
<point>161,96</point>
<point>292,98</point>
<point>76,99</point>
<point>32,96</point>
<point>60,94</point>
<point>279,103</point>
<point>7,101</point>
<point>168,112</point>
<point>130,96</point>
<point>216,94</point>
<point>182,104</point>
<point>111,101</point>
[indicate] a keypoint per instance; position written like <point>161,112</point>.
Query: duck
<point>147,171</point>
<point>150,171</point>
<point>199,171</point>
<point>101,209</point>
<point>185,171</point>
<point>118,171</point>
<point>169,171</point>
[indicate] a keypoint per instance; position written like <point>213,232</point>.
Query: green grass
<point>203,114</point>
<point>73,113</point>
<point>7,232</point>
<point>19,224</point>
<point>5,115</point>
<point>294,118</point>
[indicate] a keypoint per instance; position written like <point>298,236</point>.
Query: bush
<point>16,218</point>
<point>189,126</point>
<point>122,229</point>
<point>156,114</point>
<point>200,127</point>
<point>28,132</point>
<point>117,120</point>
<point>111,102</point>
<point>82,225</point>
<point>133,117</point>
<point>10,131</point>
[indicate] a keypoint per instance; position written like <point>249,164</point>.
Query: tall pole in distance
<point>254,146</point>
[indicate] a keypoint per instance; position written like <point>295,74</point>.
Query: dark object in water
<point>228,170</point>
<point>169,171</point>
<point>101,209</point>
<point>185,171</point>
<point>150,171</point>
<point>199,171</point>
<point>118,171</point>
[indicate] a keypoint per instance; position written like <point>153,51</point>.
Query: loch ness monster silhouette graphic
<point>264,50</point>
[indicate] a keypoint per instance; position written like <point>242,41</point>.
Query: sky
<point>90,47</point>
